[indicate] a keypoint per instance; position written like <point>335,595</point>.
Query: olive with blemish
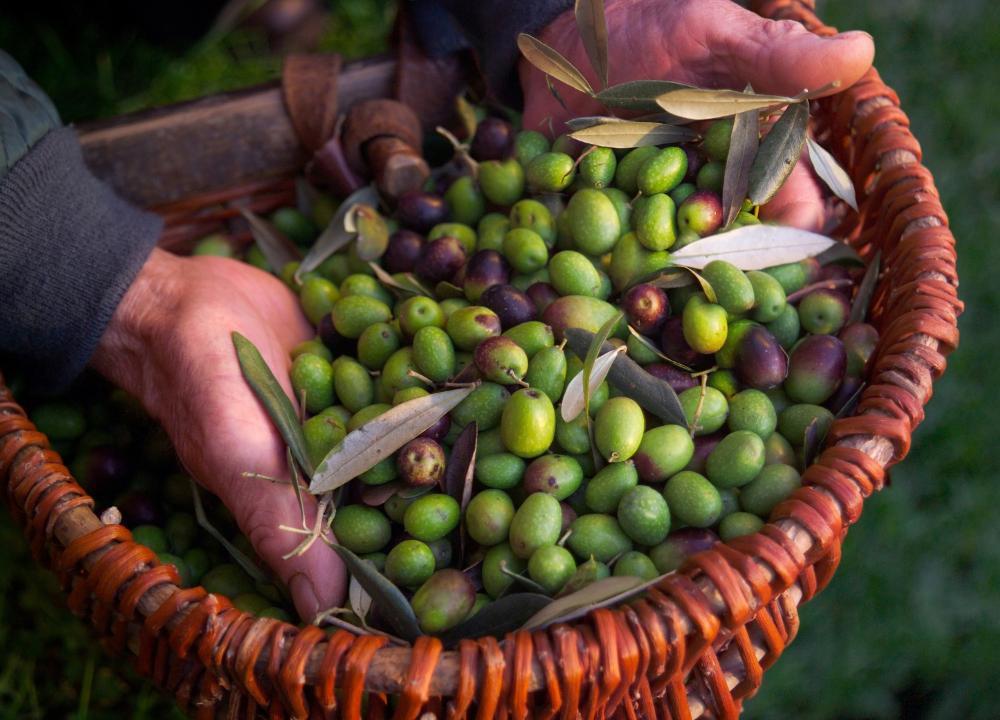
<point>501,360</point>
<point>421,462</point>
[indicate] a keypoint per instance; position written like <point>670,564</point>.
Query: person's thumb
<point>783,58</point>
<point>315,578</point>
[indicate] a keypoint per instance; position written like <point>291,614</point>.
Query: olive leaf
<point>866,289</point>
<point>586,121</point>
<point>705,104</point>
<point>639,95</point>
<point>652,393</point>
<point>573,399</point>
<point>389,599</point>
<point>335,235</point>
<point>404,285</point>
<point>378,438</point>
<point>372,230</point>
<point>666,279</point>
<point>600,593</point>
<point>840,252</point>
<point>377,495</point>
<point>278,250</point>
<point>279,408</point>
<point>248,565</point>
<point>459,471</point>
<point>754,247</point>
<point>576,399</point>
<point>743,143</point>
<point>779,151</point>
<point>831,173</point>
<point>593,28</point>
<point>632,134</point>
<point>812,442</point>
<point>498,618</point>
<point>550,62</point>
<point>445,290</point>
<point>649,345</point>
<point>359,599</point>
<point>523,579</point>
<point>851,402</point>
<point>706,286</point>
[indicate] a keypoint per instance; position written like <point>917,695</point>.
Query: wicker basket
<point>696,645</point>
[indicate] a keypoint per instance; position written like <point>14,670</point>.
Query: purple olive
<point>485,269</point>
<point>568,516</point>
<point>681,544</point>
<point>440,259</point>
<point>647,308</point>
<point>761,362</point>
<point>542,294</point>
<point>439,430</point>
<point>703,446</point>
<point>105,469</point>
<point>815,369</point>
<point>859,341</point>
<point>421,462</point>
<point>403,251</point>
<point>494,140</point>
<point>676,348</point>
<point>694,162</point>
<point>844,393</point>
<point>512,306</point>
<point>137,508</point>
<point>674,376</point>
<point>421,211</point>
<point>337,343</point>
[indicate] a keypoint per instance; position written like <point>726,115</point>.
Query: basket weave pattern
<point>695,645</point>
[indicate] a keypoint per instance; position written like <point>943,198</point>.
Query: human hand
<point>707,43</point>
<point>169,344</point>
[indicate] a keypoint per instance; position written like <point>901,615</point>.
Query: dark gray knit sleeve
<point>491,28</point>
<point>69,249</point>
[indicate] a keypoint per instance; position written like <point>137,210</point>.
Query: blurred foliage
<point>907,629</point>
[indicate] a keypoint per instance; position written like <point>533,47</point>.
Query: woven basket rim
<point>754,582</point>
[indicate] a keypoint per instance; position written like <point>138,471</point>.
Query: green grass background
<point>909,627</point>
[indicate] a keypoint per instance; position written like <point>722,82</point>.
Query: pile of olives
<point>537,239</point>
<point>514,248</point>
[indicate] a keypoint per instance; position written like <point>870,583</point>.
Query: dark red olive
<point>676,348</point>
<point>568,516</point>
<point>680,545</point>
<point>695,161</point>
<point>440,259</point>
<point>647,308</point>
<point>859,341</point>
<point>701,212</point>
<point>403,251</point>
<point>494,140</point>
<point>337,343</point>
<point>137,508</point>
<point>542,294</point>
<point>421,211</point>
<point>674,376</point>
<point>439,430</point>
<point>703,445</point>
<point>104,470</point>
<point>485,269</point>
<point>512,306</point>
<point>833,272</point>
<point>761,362</point>
<point>421,462</point>
<point>815,369</point>
<point>844,393</point>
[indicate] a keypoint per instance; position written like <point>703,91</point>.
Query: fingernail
<point>304,595</point>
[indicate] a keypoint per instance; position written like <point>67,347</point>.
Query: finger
<point>315,578</point>
<point>799,202</point>
<point>782,57</point>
